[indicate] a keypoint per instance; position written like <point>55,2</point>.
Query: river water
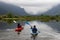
<point>48,31</point>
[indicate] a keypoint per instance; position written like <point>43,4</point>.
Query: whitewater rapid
<point>46,33</point>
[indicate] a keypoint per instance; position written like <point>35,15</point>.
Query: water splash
<point>45,31</point>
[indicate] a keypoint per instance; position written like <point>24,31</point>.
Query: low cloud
<point>34,6</point>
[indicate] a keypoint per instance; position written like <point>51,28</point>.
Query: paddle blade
<point>14,21</point>
<point>27,22</point>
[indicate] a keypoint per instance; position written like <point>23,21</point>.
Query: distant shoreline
<point>9,17</point>
<point>44,18</point>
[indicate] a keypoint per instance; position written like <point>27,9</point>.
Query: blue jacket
<point>34,30</point>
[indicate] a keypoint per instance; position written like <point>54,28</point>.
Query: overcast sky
<point>34,6</point>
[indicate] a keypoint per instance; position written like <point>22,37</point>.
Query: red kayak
<point>18,29</point>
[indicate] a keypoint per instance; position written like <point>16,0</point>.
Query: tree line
<point>30,18</point>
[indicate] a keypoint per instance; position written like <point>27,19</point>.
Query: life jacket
<point>18,29</point>
<point>34,30</point>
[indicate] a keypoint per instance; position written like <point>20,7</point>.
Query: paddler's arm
<point>31,27</point>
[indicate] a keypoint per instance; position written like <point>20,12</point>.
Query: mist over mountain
<point>53,11</point>
<point>5,8</point>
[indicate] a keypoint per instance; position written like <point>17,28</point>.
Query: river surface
<point>48,31</point>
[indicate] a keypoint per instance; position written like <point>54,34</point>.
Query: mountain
<point>5,8</point>
<point>54,11</point>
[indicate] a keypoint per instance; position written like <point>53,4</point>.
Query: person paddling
<point>34,31</point>
<point>19,28</point>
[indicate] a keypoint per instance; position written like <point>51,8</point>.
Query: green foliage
<point>4,16</point>
<point>9,15</point>
<point>0,18</point>
<point>44,18</point>
<point>16,16</point>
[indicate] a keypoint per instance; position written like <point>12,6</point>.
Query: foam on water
<point>45,31</point>
<point>44,28</point>
<point>9,29</point>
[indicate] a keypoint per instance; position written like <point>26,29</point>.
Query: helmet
<point>34,26</point>
<point>18,24</point>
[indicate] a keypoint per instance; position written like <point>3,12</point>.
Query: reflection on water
<point>9,21</point>
<point>47,30</point>
<point>5,25</point>
<point>54,25</point>
<point>9,25</point>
